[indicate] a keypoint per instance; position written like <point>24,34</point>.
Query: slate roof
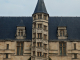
<point>40,7</point>
<point>8,27</point>
<point>61,24</point>
<point>21,24</point>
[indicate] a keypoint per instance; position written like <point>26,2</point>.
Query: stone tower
<point>39,50</point>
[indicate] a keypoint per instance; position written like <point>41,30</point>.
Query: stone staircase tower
<point>39,49</point>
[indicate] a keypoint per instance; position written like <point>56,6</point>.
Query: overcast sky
<point>27,7</point>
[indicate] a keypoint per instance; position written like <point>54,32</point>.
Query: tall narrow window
<point>75,56</point>
<point>45,37</point>
<point>38,54</point>
<point>45,16</point>
<point>34,25</point>
<point>34,35</point>
<point>74,46</point>
<point>40,16</point>
<point>45,45</point>
<point>45,27</point>
<point>45,54</point>
<point>34,44</point>
<point>62,47</point>
<point>35,17</point>
<point>7,46</point>
<point>39,35</point>
<point>61,32</point>
<point>20,48</point>
<point>33,52</point>
<point>39,25</point>
<point>39,44</point>
<point>6,55</point>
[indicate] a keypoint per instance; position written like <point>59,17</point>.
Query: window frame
<point>39,25</point>
<point>75,46</point>
<point>39,35</point>
<point>75,56</point>
<point>19,51</point>
<point>20,33</point>
<point>63,52</point>
<point>7,46</point>
<point>62,33</point>
<point>39,54</point>
<point>39,16</point>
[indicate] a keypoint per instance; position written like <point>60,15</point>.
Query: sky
<point>27,7</point>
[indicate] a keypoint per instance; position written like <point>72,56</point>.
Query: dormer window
<point>20,32</point>
<point>40,16</point>
<point>62,33</point>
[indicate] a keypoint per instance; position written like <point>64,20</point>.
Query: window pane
<point>60,44</point>
<point>75,46</point>
<point>64,44</point>
<point>21,44</point>
<point>18,50</point>
<point>6,55</point>
<point>7,46</point>
<point>21,33</point>
<point>21,53</point>
<point>18,44</point>
<point>60,50</point>
<point>64,51</point>
<point>40,53</point>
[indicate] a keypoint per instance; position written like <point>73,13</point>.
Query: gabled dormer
<point>21,31</point>
<point>62,31</point>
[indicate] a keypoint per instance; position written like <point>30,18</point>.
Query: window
<point>34,25</point>
<point>62,46</point>
<point>20,33</point>
<point>39,44</point>
<point>40,16</point>
<point>39,25</point>
<point>34,35</point>
<point>45,46</point>
<point>6,55</point>
<point>45,27</point>
<point>33,52</point>
<point>74,46</point>
<point>45,54</point>
<point>35,17</point>
<point>7,46</point>
<point>38,54</point>
<point>19,48</point>
<point>75,56</point>
<point>61,32</point>
<point>34,44</point>
<point>39,35</point>
<point>45,16</point>
<point>45,36</point>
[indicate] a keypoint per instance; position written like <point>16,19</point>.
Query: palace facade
<point>40,37</point>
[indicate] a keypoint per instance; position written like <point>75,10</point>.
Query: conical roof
<point>40,8</point>
<point>21,23</point>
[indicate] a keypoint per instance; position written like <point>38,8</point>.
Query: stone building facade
<point>40,37</point>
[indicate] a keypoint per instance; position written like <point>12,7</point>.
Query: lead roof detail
<point>40,7</point>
